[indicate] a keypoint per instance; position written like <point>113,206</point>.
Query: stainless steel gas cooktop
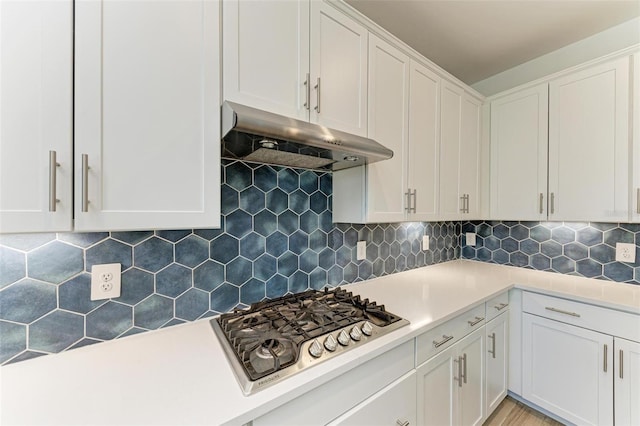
<point>274,339</point>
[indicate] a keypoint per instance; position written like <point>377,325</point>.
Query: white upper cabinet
<point>519,155</point>
<point>468,187</point>
<point>451,206</point>
<point>635,171</point>
<point>424,142</point>
<point>266,65</point>
<point>146,115</point>
<point>589,144</point>
<point>300,58</point>
<point>36,40</point>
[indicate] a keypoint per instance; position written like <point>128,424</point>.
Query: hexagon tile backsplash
<point>277,236</point>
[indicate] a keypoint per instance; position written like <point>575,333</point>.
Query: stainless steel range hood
<point>258,136</point>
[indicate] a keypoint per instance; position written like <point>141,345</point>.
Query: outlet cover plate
<point>625,252</point>
<point>105,281</point>
<point>470,238</point>
<point>425,242</point>
<point>361,248</point>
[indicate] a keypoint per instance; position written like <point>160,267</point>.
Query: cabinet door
<point>471,354</point>
<point>519,142</point>
<point>146,115</point>
<point>627,382</point>
<point>266,65</point>
<point>568,370</point>
<point>635,189</point>
<point>394,405</point>
<point>424,138</point>
<point>437,381</point>
<point>470,155</point>
<point>36,41</point>
<point>450,126</point>
<point>338,70</point>
<point>497,366</point>
<point>589,145</point>
<point>388,121</point>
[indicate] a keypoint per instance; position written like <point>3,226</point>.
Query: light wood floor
<point>511,412</point>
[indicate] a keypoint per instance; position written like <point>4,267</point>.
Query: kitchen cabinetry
<point>311,66</point>
<point>570,359</point>
<point>36,168</point>
<point>626,389</point>
<point>145,102</point>
<point>497,365</point>
<point>635,170</point>
<point>519,143</point>
<point>588,115</point>
<point>459,153</point>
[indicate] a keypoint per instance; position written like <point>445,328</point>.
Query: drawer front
<point>445,335</point>
<point>497,305</point>
<point>603,320</point>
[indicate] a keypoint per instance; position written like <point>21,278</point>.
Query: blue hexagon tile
<point>584,249</point>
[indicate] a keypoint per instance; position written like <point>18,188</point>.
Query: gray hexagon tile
<point>54,262</point>
<point>109,321</point>
<point>27,300</point>
<point>55,332</point>
<point>153,312</point>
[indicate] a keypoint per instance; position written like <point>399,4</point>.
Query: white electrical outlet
<point>105,281</point>
<point>361,248</point>
<point>625,252</point>
<point>470,238</point>
<point>425,242</point>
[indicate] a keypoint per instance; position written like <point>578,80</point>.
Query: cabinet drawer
<point>444,335</point>
<point>604,320</point>
<point>497,305</point>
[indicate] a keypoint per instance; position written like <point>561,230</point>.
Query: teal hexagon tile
<point>13,340</point>
<point>131,237</point>
<point>238,271</point>
<point>153,254</point>
<point>208,276</point>
<point>109,321</point>
<point>84,239</point>
<point>54,262</point>
<point>109,251</point>
<point>27,300</point>
<point>25,242</point>
<point>173,236</point>
<point>225,298</point>
<point>75,295</point>
<point>85,342</point>
<point>192,251</point>
<point>136,286</point>
<point>26,355</point>
<point>192,304</point>
<point>153,312</point>
<point>174,280</point>
<point>252,291</point>
<point>173,322</point>
<point>12,266</point>
<point>208,234</point>
<point>56,331</point>
<point>132,331</point>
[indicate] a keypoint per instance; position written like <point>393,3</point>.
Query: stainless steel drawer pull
<point>408,200</point>
<point>444,340</point>
<point>463,208</point>
<point>553,203</point>
<point>85,183</point>
<point>560,311</point>
<point>475,321</point>
<point>501,306</point>
<point>459,378</point>
<point>621,364</point>
<point>605,362</point>
<point>414,194</point>
<point>53,173</point>
<point>492,336</point>
<point>317,87</point>
<point>402,422</point>
<point>464,368</point>
<point>307,90</point>
<point>541,200</point>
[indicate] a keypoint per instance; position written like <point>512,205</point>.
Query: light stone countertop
<point>180,376</point>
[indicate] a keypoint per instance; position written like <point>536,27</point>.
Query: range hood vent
<point>258,136</point>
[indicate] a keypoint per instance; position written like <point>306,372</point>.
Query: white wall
<point>615,38</point>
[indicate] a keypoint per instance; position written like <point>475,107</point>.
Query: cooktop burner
<point>276,338</point>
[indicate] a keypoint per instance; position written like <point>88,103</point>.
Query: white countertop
<point>179,375</point>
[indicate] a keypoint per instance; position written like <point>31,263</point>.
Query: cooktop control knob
<point>315,349</point>
<point>355,333</point>
<point>367,329</point>
<point>343,338</point>
<point>330,343</point>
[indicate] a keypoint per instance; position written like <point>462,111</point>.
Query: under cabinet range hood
<point>258,136</point>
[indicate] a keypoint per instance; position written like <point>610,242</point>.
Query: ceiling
<point>475,39</point>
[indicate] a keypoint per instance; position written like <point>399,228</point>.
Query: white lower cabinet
<point>626,382</point>
<point>497,365</point>
<point>450,385</point>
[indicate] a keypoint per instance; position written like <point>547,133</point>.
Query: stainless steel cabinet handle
<point>459,378</point>
<point>475,321</point>
<point>85,183</point>
<point>444,340</point>
<point>414,194</point>
<point>402,422</point>
<point>541,200</point>
<point>463,209</point>
<point>408,201</point>
<point>638,201</point>
<point>307,90</point>
<point>53,173</point>
<point>621,364</point>
<point>492,336</point>
<point>560,311</point>
<point>317,87</point>
<point>464,368</point>
<point>605,362</point>
<point>501,306</point>
<point>467,208</point>
<point>553,203</point>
